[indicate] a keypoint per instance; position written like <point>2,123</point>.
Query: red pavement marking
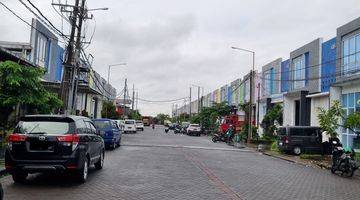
<point>212,177</point>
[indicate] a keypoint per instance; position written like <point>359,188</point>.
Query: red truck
<point>233,120</point>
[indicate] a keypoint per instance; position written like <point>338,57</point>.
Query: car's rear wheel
<point>118,144</point>
<point>113,145</point>
<point>297,150</point>
<point>19,176</point>
<point>99,164</point>
<point>82,174</point>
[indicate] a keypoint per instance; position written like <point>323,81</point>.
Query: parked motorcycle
<point>224,137</point>
<point>177,129</point>
<point>166,129</point>
<point>343,160</point>
<point>219,137</point>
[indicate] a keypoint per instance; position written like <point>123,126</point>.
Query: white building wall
<point>289,111</point>
<point>316,103</point>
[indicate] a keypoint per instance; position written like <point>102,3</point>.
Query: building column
<point>305,109</point>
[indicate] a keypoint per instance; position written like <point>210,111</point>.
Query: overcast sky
<point>169,45</point>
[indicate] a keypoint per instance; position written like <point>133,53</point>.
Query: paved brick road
<point>155,165</point>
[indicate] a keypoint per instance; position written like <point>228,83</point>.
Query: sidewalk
<point>322,164</point>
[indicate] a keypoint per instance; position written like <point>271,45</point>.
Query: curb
<point>286,159</point>
<point>325,167</point>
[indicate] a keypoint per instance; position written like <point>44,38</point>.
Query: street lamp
<point>251,89</point>
<point>113,65</point>
<point>202,93</point>
<point>94,9</point>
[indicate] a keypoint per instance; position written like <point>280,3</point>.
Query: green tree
<point>21,85</point>
<point>268,123</point>
<point>329,119</point>
<point>109,110</point>
<point>352,122</point>
<point>135,114</point>
<point>162,117</point>
<point>209,115</point>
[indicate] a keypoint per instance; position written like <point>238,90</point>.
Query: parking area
<point>156,165</point>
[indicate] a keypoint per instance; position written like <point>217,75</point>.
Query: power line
<point>43,21</point>
<point>316,65</point>
<point>51,24</point>
<point>59,13</point>
<point>162,101</point>
<point>21,19</point>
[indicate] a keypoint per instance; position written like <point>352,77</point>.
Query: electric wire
<point>316,65</point>
<point>42,15</point>
<point>44,22</point>
<point>162,101</point>
<point>21,19</point>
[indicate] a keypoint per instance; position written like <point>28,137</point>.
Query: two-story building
<point>44,51</point>
<point>347,85</point>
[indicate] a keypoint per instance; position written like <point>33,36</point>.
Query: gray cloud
<point>169,45</point>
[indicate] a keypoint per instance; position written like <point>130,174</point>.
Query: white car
<point>121,124</point>
<point>139,125</point>
<point>130,126</point>
<point>193,129</point>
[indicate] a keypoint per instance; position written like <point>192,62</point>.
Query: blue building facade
<point>46,52</point>
<point>328,60</point>
<point>285,75</point>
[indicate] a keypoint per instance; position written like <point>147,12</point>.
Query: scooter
<point>224,137</point>
<point>343,160</point>
<point>219,137</point>
<point>177,130</point>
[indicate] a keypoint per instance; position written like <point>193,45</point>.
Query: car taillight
<point>15,137</point>
<point>69,140</point>
<point>285,139</point>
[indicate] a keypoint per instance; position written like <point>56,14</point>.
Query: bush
<point>357,157</point>
<point>274,147</point>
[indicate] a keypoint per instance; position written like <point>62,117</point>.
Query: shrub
<point>274,147</point>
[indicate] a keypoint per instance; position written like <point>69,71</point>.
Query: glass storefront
<point>350,103</point>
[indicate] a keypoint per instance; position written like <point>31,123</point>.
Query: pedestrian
<point>325,145</point>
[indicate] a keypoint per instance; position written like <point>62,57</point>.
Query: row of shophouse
<point>46,51</point>
<point>313,76</point>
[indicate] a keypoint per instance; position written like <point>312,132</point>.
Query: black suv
<point>298,139</point>
<point>46,143</point>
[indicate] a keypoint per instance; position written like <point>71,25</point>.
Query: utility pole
<point>137,99</point>
<point>252,91</point>
<point>198,99</point>
<point>78,52</point>
<point>176,112</point>
<point>125,88</point>
<point>190,104</point>
<point>66,92</point>
<point>250,107</point>
<point>133,98</point>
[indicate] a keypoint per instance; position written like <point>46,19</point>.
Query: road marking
<point>231,194</point>
<point>187,147</point>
